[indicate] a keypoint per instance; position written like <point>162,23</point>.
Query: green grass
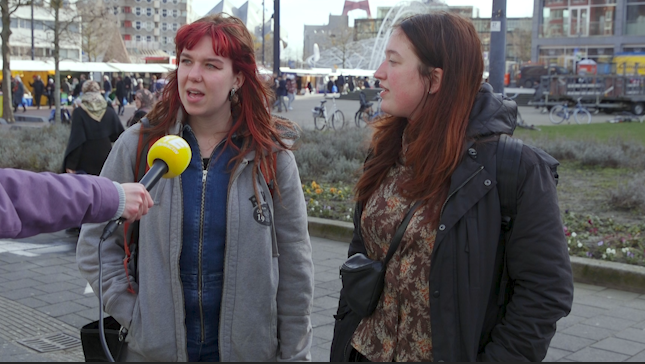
<point>599,132</point>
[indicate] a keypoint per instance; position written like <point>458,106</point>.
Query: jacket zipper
<point>228,210</point>
<point>481,168</point>
<point>181,284</point>
<point>200,249</point>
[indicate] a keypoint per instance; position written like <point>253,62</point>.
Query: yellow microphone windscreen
<point>173,150</point>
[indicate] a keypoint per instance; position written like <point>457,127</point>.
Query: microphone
<point>168,158</point>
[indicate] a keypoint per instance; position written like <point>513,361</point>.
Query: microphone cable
<point>104,344</point>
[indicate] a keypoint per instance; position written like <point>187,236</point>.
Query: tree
<point>268,49</point>
<point>343,40</point>
<point>520,42</point>
<point>65,27</point>
<point>8,7</point>
<point>99,26</point>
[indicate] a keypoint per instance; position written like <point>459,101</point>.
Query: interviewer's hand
<point>137,201</point>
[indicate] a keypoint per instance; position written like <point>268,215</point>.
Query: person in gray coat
<point>224,270</point>
<point>18,94</point>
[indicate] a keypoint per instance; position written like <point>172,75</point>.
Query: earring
<point>231,94</point>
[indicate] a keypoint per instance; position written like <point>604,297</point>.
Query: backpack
<point>509,154</point>
<point>131,239</point>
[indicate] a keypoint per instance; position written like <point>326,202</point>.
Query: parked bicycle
<point>334,119</point>
<point>561,113</point>
<point>366,113</point>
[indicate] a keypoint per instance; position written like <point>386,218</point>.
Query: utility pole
<point>276,37</point>
<point>263,33</point>
<point>33,48</point>
<point>497,67</point>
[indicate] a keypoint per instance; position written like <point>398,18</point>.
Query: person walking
<point>51,92</point>
<point>39,89</point>
<point>224,266</point>
<point>78,89</point>
<point>120,94</point>
<point>107,88</point>
<point>95,126</point>
<point>291,92</point>
<point>281,93</point>
<point>144,100</point>
<point>453,290</point>
<point>18,94</point>
<point>127,82</point>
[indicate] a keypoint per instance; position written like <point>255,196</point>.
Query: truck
<point>606,93</point>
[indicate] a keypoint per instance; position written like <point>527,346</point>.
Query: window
<point>164,13</point>
<point>175,13</point>
<point>149,11</point>
<point>164,27</point>
<point>164,40</point>
<point>127,9</point>
<point>137,25</point>
<point>635,24</point>
<point>148,38</point>
<point>137,38</point>
<point>175,2</point>
<point>115,10</point>
<point>38,25</point>
<point>14,23</point>
<point>127,24</point>
<point>127,37</point>
<point>137,11</point>
<point>175,26</point>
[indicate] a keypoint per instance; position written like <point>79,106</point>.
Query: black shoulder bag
<point>363,278</point>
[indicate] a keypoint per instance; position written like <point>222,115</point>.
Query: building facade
<point>565,31</point>
<point>149,26</point>
<point>324,35</point>
<point>20,41</point>
<point>518,37</point>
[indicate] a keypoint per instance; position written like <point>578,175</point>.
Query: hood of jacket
<point>491,114</point>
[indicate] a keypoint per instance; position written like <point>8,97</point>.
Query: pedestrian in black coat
<point>50,92</point>
<point>39,89</point>
<point>458,288</point>
<point>120,94</point>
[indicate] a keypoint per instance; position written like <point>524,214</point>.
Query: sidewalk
<point>42,293</point>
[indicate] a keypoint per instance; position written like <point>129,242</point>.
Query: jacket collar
<point>491,114</point>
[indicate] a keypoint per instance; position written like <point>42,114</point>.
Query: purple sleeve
<point>33,203</point>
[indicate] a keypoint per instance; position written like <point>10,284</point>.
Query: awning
<point>71,66</point>
<point>29,65</point>
<point>139,67</point>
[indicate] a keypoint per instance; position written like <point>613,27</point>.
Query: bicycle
<point>335,119</point>
<point>365,113</point>
<point>560,113</point>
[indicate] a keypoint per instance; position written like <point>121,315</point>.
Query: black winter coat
<point>475,316</point>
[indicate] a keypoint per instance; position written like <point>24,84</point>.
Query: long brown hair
<point>251,117</point>
<point>435,141</point>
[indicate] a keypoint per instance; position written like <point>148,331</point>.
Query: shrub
<point>630,195</point>
<point>332,156</point>
<point>616,153</point>
<point>34,149</point>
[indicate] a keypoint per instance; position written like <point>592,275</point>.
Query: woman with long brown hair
<point>453,291</point>
<point>224,268</point>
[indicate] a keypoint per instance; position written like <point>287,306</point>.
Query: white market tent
<point>75,66</point>
<point>328,72</point>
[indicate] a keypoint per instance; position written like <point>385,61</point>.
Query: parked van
<point>529,76</point>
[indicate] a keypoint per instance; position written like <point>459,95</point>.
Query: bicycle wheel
<point>582,116</point>
<point>362,119</point>
<point>557,114</point>
<point>337,120</point>
<point>319,122</point>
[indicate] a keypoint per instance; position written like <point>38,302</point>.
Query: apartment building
<point>568,30</point>
<point>148,27</point>
<point>70,43</point>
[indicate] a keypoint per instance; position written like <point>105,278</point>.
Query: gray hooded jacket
<point>268,274</point>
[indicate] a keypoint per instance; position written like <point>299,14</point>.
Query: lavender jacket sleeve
<point>34,203</point>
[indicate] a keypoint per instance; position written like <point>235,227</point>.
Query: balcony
<point>156,4</point>
<point>156,32</point>
<point>156,18</point>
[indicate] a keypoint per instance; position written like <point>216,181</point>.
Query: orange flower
<point>319,191</point>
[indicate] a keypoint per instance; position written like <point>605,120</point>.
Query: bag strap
<point>131,241</point>
<point>509,153</point>
<point>398,235</point>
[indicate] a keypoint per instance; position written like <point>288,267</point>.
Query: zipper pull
<point>204,173</point>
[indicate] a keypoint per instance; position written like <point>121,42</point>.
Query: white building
<point>20,41</point>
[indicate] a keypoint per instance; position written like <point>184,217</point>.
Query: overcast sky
<point>296,13</point>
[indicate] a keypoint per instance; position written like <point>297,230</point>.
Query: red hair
<point>435,141</point>
<point>251,117</point>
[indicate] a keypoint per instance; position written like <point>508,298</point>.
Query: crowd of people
<point>224,269</point>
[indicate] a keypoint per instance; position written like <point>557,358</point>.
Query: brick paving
<point>41,292</point>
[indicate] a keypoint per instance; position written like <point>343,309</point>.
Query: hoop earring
<point>231,94</point>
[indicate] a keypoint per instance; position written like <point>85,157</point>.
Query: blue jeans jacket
<point>203,244</point>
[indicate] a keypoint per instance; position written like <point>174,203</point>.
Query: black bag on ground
<point>114,335</point>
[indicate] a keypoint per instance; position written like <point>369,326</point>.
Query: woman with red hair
<point>453,290</point>
<point>224,268</point>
